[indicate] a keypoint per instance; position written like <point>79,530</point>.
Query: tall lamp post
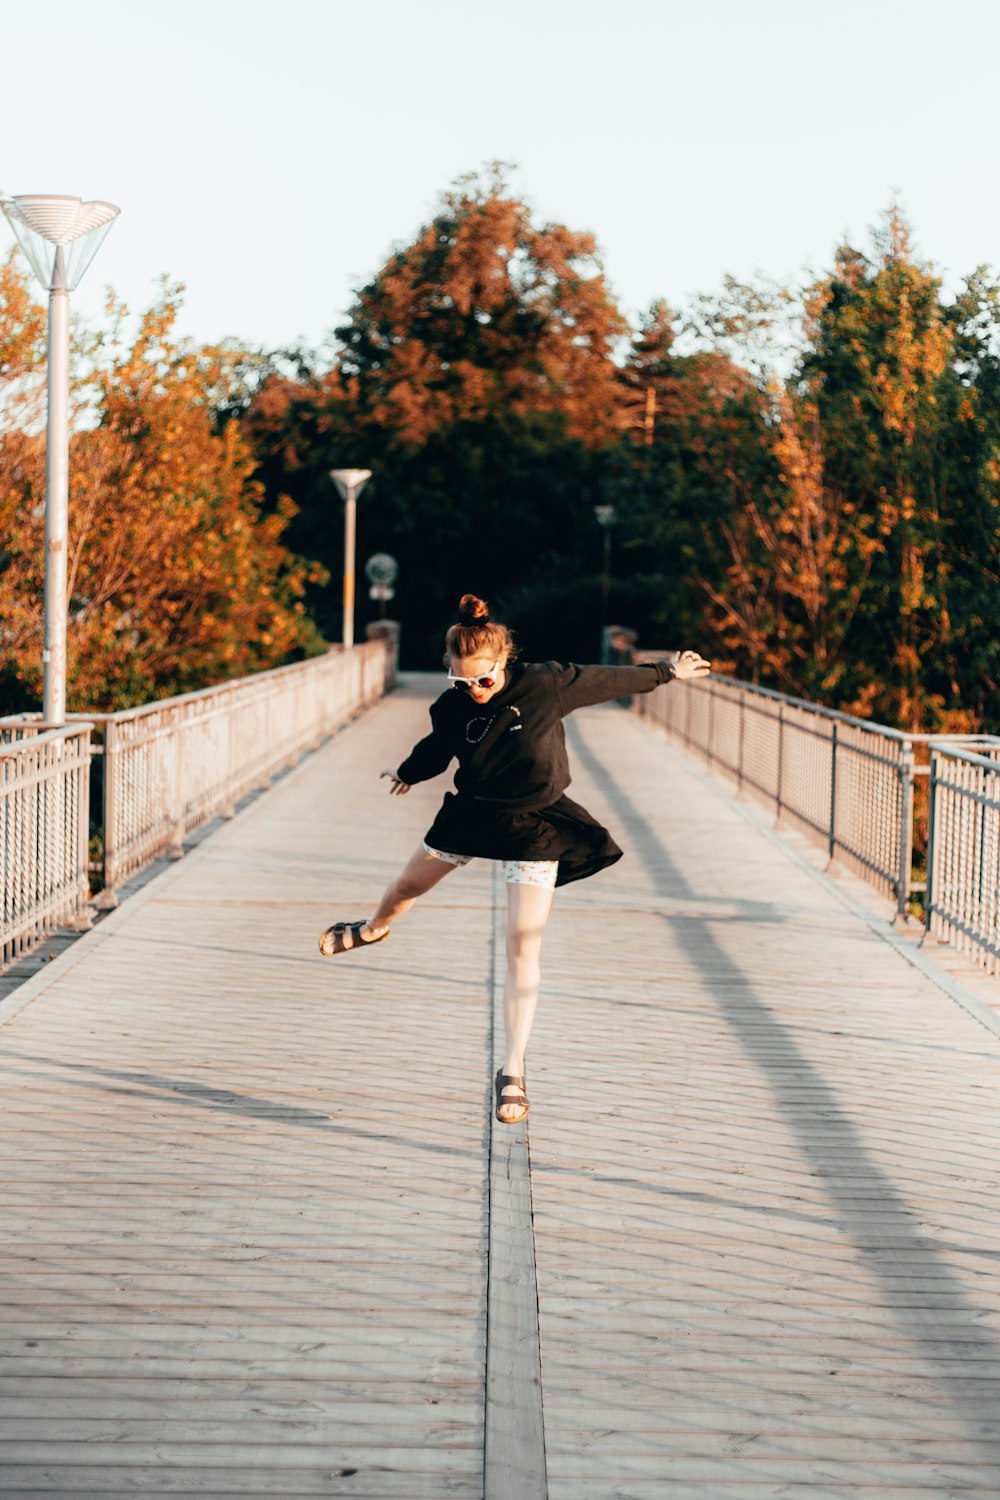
<point>350,483</point>
<point>60,237</point>
<point>606,517</point>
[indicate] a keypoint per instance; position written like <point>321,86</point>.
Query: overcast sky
<point>270,154</point>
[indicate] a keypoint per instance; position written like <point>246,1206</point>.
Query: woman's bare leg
<point>421,874</point>
<point>528,908</point>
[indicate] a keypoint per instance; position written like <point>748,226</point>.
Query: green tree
<point>880,370</point>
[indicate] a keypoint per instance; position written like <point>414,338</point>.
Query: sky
<point>270,155</point>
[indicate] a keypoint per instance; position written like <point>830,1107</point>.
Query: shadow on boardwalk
<point>825,1134</point>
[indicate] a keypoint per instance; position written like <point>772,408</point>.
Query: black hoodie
<point>511,751</point>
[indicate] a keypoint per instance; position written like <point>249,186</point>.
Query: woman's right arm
<point>432,755</point>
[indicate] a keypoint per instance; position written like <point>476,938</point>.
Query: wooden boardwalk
<point>254,1243</point>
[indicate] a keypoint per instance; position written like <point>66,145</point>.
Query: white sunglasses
<point>485,681</point>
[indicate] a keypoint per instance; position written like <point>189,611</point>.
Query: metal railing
<point>168,768</point>
<point>963,860</point>
<point>848,784</point>
<point>44,802</point>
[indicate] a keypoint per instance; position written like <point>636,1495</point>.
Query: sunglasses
<point>467,683</point>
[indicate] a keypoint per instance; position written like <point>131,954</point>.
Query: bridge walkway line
<point>257,1230</point>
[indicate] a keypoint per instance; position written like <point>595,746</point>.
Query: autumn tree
<point>880,370</point>
<point>806,480</point>
<point>175,578</point>
<point>698,458</point>
<point>496,505</point>
<point>856,487</point>
<point>485,312</point>
<point>972,502</point>
<point>475,380</point>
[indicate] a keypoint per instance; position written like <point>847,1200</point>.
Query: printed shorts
<point>541,872</point>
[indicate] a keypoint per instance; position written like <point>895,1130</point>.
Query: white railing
<point>44,830</point>
<point>849,785</point>
<point>963,863</point>
<point>846,783</point>
<point>168,768</point>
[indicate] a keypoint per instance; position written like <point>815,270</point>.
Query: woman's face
<point>474,667</point>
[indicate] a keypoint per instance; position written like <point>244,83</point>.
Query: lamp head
<point>348,480</point>
<point>59,236</point>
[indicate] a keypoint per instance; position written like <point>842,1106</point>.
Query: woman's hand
<point>398,788</point>
<point>691,664</point>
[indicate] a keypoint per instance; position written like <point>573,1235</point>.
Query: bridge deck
<point>247,1232</point>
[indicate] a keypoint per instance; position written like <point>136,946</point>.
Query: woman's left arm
<point>578,687</point>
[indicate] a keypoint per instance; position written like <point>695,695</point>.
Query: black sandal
<point>344,937</point>
<point>507,1080</point>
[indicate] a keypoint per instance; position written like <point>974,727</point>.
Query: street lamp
<point>60,237</point>
<point>606,517</point>
<point>350,483</point>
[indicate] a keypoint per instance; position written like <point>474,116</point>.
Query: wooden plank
<point>514,1458</point>
<point>195,1481</point>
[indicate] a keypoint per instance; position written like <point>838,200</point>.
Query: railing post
<point>781,758</point>
<point>931,846</point>
<point>905,831</point>
<point>77,803</point>
<point>711,720</point>
<point>981,840</point>
<point>107,898</point>
<point>743,718</point>
<point>833,792</point>
<point>228,729</point>
<point>175,749</point>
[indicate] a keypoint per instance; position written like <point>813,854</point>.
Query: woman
<point>502,721</point>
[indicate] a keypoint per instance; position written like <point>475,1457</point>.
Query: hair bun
<point>472,610</point>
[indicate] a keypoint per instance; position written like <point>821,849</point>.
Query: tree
<point>475,380</point>
<point>175,578</point>
<point>485,312</point>
<point>697,451</point>
<point>880,369</point>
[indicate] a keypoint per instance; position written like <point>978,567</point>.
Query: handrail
<point>848,783</point>
<point>170,767</point>
<point>39,733</point>
<point>164,769</point>
<point>958,752</point>
<point>838,714</point>
<point>237,686</point>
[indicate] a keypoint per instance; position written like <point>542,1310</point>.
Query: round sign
<point>381,568</point>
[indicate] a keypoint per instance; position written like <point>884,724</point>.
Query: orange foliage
<point>175,577</point>
<point>486,312</point>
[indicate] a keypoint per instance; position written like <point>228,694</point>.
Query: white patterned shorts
<point>540,872</point>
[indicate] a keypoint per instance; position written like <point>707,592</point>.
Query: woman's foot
<point>344,937</point>
<point>512,1101</point>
